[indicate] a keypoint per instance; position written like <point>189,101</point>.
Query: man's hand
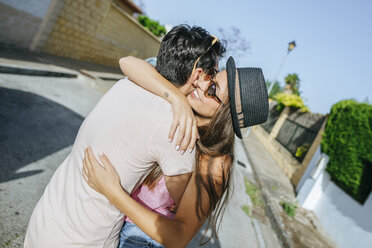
<point>173,208</point>
<point>184,120</point>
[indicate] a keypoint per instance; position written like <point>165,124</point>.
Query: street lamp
<point>291,46</point>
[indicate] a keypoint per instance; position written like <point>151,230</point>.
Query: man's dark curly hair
<point>180,49</point>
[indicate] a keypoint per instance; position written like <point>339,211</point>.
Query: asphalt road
<point>39,119</point>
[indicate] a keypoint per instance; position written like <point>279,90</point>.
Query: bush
<point>347,141</point>
<point>290,100</point>
<point>302,150</point>
<point>153,26</point>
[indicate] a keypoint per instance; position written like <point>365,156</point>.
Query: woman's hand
<point>146,76</point>
<point>184,120</point>
<point>102,178</point>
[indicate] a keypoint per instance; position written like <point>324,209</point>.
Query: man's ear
<point>198,75</point>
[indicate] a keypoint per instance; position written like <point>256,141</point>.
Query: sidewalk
<point>302,231</point>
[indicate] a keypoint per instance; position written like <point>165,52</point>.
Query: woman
<point>154,195</point>
<point>208,183</point>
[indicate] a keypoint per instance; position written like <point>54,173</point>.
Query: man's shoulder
<point>150,103</point>
<point>127,84</point>
<point>131,88</point>
<point>127,92</point>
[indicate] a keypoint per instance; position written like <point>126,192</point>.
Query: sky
<point>333,57</point>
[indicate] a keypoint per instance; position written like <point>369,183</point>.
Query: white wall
<point>37,8</point>
<point>348,222</point>
<point>20,20</point>
<point>310,168</point>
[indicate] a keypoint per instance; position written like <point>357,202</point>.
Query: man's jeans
<point>133,237</point>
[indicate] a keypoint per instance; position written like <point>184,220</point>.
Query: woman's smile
<point>195,94</point>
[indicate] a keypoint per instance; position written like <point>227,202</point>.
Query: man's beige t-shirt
<point>130,125</point>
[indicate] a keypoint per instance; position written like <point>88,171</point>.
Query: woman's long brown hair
<point>216,140</point>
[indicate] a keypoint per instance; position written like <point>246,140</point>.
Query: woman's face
<point>205,107</point>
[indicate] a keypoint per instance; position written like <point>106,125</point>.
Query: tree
<point>236,45</point>
<point>292,82</point>
<point>275,90</point>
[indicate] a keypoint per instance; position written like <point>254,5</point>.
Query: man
<point>130,125</point>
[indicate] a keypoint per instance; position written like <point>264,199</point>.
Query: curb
<point>270,209</point>
<point>35,72</point>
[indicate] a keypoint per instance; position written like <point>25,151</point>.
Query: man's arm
<point>171,161</point>
<point>176,185</point>
<point>176,167</point>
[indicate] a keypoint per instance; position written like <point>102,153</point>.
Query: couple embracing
<point>152,161</point>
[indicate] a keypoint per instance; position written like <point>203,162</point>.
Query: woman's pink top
<point>157,200</point>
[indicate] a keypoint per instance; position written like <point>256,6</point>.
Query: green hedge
<point>347,141</point>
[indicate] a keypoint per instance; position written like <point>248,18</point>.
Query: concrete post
<point>279,123</point>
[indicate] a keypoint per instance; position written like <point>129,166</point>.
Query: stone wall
<point>292,167</point>
<point>100,32</point>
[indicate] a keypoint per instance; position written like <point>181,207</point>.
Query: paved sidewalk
<point>302,231</point>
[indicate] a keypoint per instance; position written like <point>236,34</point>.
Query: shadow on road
<point>32,127</point>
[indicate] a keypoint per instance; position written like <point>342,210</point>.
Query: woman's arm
<point>171,233</point>
<point>145,75</point>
